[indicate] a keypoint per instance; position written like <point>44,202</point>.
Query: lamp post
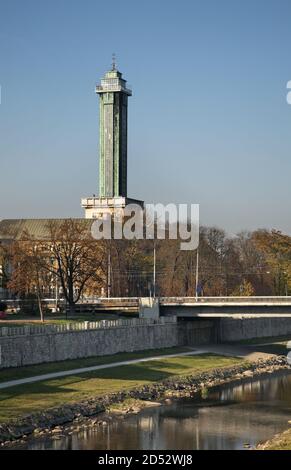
<point>57,293</point>
<point>154,280</point>
<point>286,283</point>
<point>109,274</point>
<point>197,275</point>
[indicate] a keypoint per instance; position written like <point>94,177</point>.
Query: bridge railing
<point>84,301</point>
<point>134,301</point>
<point>82,326</point>
<point>228,299</point>
<point>179,299</point>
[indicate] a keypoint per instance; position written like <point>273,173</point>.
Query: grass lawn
<point>266,339</point>
<point>271,345</point>
<point>39,396</point>
<point>279,349</point>
<point>31,371</point>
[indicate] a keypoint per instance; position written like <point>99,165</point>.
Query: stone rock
<point>37,431</point>
<point>56,430</point>
<point>248,373</point>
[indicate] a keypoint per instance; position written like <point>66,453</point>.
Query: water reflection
<point>228,418</point>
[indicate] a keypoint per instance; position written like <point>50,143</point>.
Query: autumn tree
<point>29,269</point>
<point>245,289</point>
<point>66,252</point>
<point>276,248</point>
<point>4,266</point>
<point>77,258</point>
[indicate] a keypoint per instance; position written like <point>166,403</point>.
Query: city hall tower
<point>113,103</point>
<point>113,95</point>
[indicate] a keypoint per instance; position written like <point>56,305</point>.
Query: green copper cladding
<point>113,95</point>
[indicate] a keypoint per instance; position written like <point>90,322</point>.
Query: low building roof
<point>14,229</point>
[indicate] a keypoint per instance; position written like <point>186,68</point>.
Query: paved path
<point>64,373</point>
<point>222,349</point>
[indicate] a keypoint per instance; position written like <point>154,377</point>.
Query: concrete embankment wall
<point>21,346</point>
<point>36,345</point>
<point>222,330</point>
<point>197,332</point>
<point>235,329</point>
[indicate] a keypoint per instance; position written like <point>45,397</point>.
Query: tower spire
<point>113,61</point>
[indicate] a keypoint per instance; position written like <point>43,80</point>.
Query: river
<point>228,417</point>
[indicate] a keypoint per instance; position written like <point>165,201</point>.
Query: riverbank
<point>281,441</point>
<point>99,410</point>
<point>31,398</point>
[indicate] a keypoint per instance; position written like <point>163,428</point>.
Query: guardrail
<point>82,326</point>
<point>177,300</point>
<point>134,301</point>
<point>229,299</point>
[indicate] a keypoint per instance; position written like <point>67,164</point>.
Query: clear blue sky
<point>208,120</point>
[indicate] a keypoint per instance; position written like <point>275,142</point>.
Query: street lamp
<point>154,280</point>
<point>197,275</point>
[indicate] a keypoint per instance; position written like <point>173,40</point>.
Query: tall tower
<point>113,94</point>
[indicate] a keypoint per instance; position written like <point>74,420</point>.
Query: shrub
<point>3,307</point>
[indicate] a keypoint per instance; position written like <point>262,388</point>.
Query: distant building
<point>38,229</point>
<point>17,230</point>
<point>113,94</point>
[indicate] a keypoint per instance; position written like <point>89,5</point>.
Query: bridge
<point>214,319</point>
<point>201,307</point>
<point>209,307</point>
<point>202,320</point>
